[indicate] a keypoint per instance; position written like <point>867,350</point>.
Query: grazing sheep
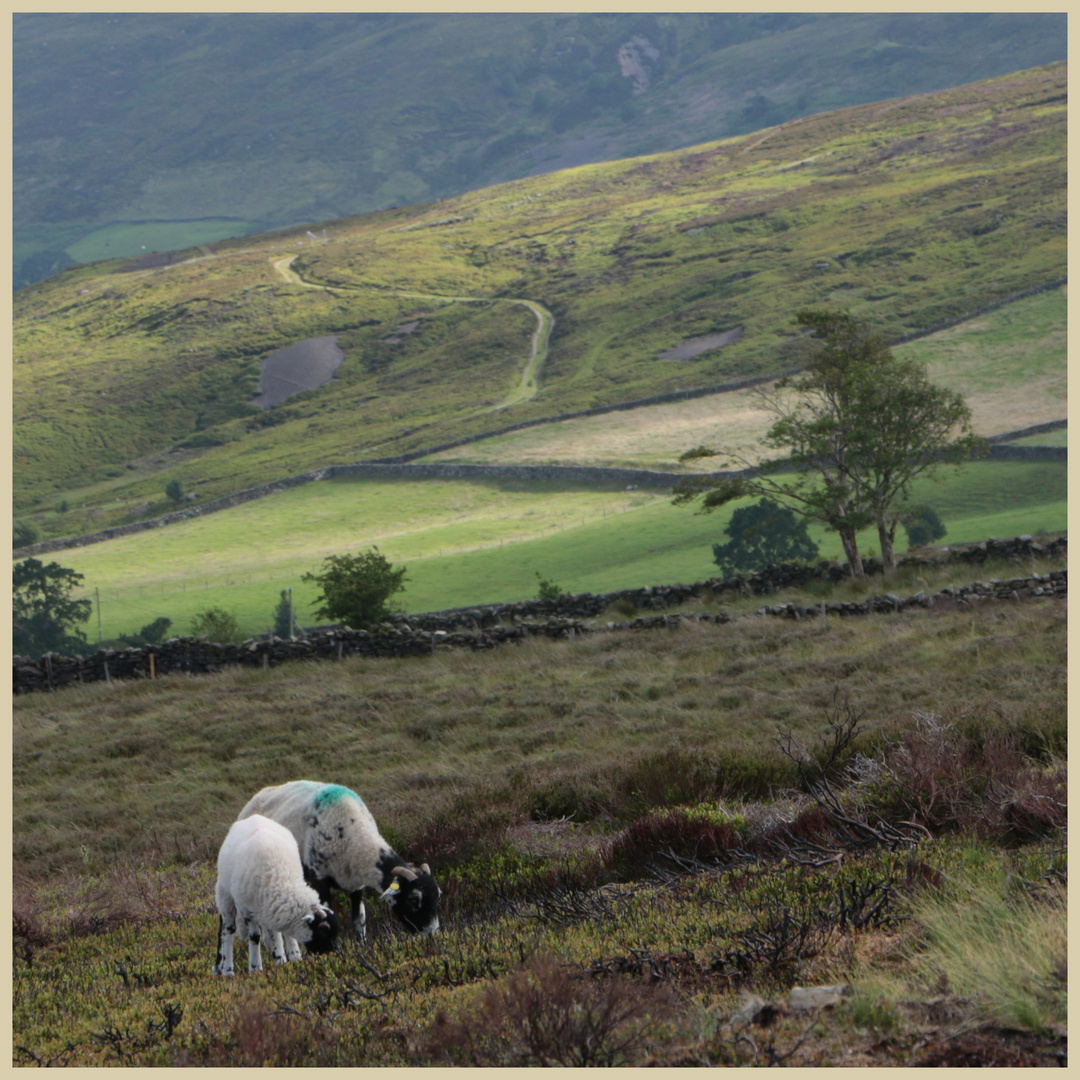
<point>341,848</point>
<point>261,884</point>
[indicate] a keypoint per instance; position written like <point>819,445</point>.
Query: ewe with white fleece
<point>341,848</point>
<point>261,885</point>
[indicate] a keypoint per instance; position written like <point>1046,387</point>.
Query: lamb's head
<point>324,927</point>
<point>413,897</point>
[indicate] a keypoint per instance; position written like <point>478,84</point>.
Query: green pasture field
<point>470,543</point>
<point>1010,365</point>
<point>123,238</point>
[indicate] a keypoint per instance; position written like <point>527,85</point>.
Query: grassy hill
<point>910,213</point>
<point>138,131</point>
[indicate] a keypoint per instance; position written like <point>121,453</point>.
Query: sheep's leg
<point>292,949</point>
<point>224,963</point>
<point>359,915</point>
<point>253,932</point>
<point>277,947</point>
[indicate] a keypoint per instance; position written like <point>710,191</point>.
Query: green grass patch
<point>123,238</point>
<point>1002,946</point>
<point>470,543</point>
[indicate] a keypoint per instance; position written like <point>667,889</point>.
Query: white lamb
<point>261,884</point>
<point>341,848</point>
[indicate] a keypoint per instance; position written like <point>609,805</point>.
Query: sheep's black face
<point>415,903</point>
<point>324,931</point>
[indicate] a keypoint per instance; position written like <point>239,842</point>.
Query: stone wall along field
<point>486,626</point>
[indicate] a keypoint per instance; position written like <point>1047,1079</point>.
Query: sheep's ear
<point>405,872</point>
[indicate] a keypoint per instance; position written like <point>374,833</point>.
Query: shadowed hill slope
<point>138,131</point>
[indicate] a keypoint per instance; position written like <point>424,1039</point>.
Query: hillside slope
<point>150,131</point>
<point>910,213</point>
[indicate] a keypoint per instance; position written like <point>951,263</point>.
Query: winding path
<point>529,383</point>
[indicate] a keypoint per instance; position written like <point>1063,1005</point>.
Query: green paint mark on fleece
<point>334,793</point>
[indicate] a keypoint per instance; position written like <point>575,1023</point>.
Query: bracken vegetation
<point>645,842</point>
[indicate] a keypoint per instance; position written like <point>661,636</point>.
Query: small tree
<point>857,426</point>
<point>922,525</point>
<point>283,615</point>
<point>762,535</point>
<point>356,589</point>
<point>174,490</point>
<point>547,590</point>
<point>44,616</point>
<point>23,533</point>
<point>216,624</point>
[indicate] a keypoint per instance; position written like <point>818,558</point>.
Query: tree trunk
<point>887,536</point>
<point>851,550</point>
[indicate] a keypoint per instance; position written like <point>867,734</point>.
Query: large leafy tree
<point>761,535</point>
<point>356,589</point>
<point>44,616</point>
<point>856,428</point>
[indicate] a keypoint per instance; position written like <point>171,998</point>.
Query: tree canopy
<point>44,616</point>
<point>216,624</point>
<point>855,428</point>
<point>356,589</point>
<point>23,533</point>
<point>763,534</point>
<point>923,525</point>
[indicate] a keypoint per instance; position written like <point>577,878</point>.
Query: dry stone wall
<point>486,626</point>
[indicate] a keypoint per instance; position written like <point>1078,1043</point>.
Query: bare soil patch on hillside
<point>696,346</point>
<point>307,365</point>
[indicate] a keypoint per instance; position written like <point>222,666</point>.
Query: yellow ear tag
<point>395,887</point>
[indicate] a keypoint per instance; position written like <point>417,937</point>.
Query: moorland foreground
<point>629,907</point>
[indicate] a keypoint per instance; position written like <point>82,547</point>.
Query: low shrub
<point>547,1015</point>
<point>264,1038</point>
<point>941,777</point>
<point>670,835</point>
